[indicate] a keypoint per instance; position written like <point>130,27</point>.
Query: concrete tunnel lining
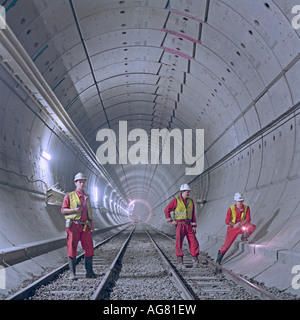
<point>228,67</point>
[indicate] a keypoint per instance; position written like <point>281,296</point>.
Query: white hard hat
<point>238,197</point>
<point>79,176</point>
<point>184,187</point>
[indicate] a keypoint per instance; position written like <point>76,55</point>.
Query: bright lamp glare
<point>46,155</point>
<point>96,194</point>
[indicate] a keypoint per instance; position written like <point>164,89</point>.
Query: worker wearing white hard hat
<point>238,220</point>
<point>184,187</point>
<point>77,211</point>
<point>79,176</point>
<point>185,223</point>
<point>238,197</point>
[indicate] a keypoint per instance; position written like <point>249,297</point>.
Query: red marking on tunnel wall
<point>178,34</point>
<point>183,55</point>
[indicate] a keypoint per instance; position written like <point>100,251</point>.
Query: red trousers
<point>233,233</point>
<point>183,230</point>
<point>76,233</point>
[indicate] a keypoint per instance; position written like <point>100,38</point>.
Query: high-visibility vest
<point>183,212</point>
<point>233,213</point>
<point>74,201</point>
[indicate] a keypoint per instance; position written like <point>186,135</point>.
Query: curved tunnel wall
<point>26,175</point>
<point>265,173</point>
<point>239,83</point>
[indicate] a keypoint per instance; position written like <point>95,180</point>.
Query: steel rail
<point>28,291</point>
<point>263,294</point>
<point>186,294</point>
<point>105,281</point>
<point>244,282</point>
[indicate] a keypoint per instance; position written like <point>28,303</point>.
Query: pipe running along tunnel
<point>74,72</point>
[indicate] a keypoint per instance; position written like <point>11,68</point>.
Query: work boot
<point>180,262</point>
<point>72,267</point>
<point>219,259</point>
<point>88,261</point>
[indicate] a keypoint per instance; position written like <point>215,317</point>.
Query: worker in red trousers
<point>238,219</point>
<point>185,223</point>
<point>79,225</point>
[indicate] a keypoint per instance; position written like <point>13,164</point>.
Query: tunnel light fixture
<point>46,155</point>
<point>96,194</point>
<point>17,62</point>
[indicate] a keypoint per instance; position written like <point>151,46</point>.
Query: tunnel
<point>86,84</point>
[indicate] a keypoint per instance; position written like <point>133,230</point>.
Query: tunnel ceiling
<point>214,65</point>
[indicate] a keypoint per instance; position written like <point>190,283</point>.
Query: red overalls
<point>183,229</point>
<point>233,233</point>
<point>76,233</point>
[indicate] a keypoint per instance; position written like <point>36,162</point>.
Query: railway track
<point>139,263</point>
<point>210,281</point>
